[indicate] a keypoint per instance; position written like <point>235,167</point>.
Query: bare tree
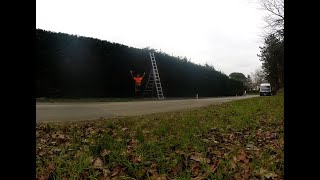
<point>275,16</point>
<point>257,77</point>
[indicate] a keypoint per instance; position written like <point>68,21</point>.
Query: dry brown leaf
<point>270,175</point>
<point>97,163</point>
<point>132,142</point>
<point>51,167</point>
<point>136,159</point>
<point>197,157</point>
<point>152,171</point>
<point>177,169</point>
<point>234,158</point>
<point>179,152</point>
<point>42,140</point>
<point>195,169</point>
<point>54,136</point>
<point>106,172</point>
<point>206,140</point>
<point>231,137</point>
<point>53,143</point>
<point>233,165</point>
<point>243,157</point>
<point>267,174</point>
<point>162,177</point>
<point>214,166</point>
<point>116,171</point>
<point>200,177</point>
<point>41,153</point>
<point>156,176</point>
<point>61,136</point>
<point>105,152</point>
<point>84,175</point>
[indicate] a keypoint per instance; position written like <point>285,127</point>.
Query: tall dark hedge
<point>72,66</point>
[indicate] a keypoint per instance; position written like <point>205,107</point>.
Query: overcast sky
<point>222,33</point>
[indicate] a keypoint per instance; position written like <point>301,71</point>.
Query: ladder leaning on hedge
<point>154,79</point>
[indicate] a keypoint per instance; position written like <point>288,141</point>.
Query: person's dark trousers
<point>138,91</point>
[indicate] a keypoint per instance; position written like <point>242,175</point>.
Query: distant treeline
<point>72,66</point>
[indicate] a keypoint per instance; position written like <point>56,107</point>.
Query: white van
<point>265,89</point>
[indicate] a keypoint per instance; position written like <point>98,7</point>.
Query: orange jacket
<point>138,80</point>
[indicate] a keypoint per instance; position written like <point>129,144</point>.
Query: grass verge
<point>237,140</point>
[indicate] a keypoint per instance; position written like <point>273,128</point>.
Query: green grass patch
<point>240,140</point>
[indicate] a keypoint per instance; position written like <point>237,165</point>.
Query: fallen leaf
<point>97,163</point>
<point>243,157</point>
<point>61,136</point>
<point>238,176</point>
<point>156,176</point>
<point>53,143</point>
<point>43,140</point>
<point>116,171</point>
<point>147,163</point>
<point>270,175</point>
<point>214,166</point>
<point>84,175</point>
<point>179,152</point>
<point>177,169</point>
<point>41,153</point>
<point>231,137</point>
<point>132,142</point>
<point>136,159</point>
<point>197,157</point>
<point>206,140</point>
<point>267,174</point>
<point>200,177</point>
<point>152,171</point>
<point>195,169</point>
<point>233,165</point>
<point>234,158</point>
<point>106,172</point>
<point>51,166</point>
<point>105,152</point>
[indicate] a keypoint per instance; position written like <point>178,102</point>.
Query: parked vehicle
<point>265,89</point>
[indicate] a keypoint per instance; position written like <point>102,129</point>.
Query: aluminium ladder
<point>154,79</point>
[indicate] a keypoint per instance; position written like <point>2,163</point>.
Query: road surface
<point>77,111</point>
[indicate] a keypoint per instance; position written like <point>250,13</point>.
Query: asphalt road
<point>77,111</point>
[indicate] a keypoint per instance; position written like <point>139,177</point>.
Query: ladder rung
<point>154,78</point>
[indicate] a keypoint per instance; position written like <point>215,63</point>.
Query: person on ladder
<point>137,82</point>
